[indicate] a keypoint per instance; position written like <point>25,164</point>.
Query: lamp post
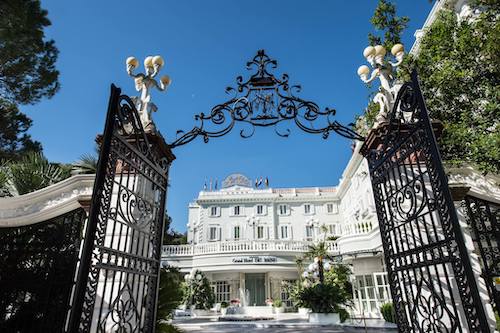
<point>383,69</point>
<point>144,82</point>
<point>317,269</point>
<point>253,221</point>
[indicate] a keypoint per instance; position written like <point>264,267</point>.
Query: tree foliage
<point>388,30</point>
<point>27,66</point>
<point>387,24</point>
<point>14,141</point>
<point>87,164</point>
<point>198,292</point>
<point>33,172</point>
<point>459,71</point>
<point>170,236</point>
<point>169,297</point>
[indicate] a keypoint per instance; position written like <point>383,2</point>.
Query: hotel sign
<point>255,260</point>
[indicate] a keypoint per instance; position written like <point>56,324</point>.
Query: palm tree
<point>319,251</point>
<point>87,164</point>
<point>33,172</point>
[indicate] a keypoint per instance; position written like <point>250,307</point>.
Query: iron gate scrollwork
<point>265,100</point>
<point>118,278</point>
<point>431,279</point>
<point>484,220</point>
<point>37,270</point>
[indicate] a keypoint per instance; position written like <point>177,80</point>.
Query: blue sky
<point>205,45</point>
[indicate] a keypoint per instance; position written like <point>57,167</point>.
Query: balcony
<point>244,246</point>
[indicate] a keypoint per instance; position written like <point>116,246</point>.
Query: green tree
<point>33,172</point>
<point>387,24</point>
<point>170,236</point>
<point>459,70</point>
<point>27,72</point>
<point>87,164</point>
<point>27,67</point>
<point>169,297</point>
<point>198,291</point>
<point>14,141</point>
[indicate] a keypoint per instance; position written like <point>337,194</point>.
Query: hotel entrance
<point>255,283</point>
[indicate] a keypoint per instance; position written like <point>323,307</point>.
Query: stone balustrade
<point>243,246</point>
<point>357,228</point>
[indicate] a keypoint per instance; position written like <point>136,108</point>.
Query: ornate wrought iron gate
<point>119,271</point>
<point>37,270</point>
<point>484,220</point>
<point>431,279</point>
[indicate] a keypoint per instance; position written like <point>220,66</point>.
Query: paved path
<point>287,323</point>
<point>272,329</point>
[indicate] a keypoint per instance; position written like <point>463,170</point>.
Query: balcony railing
<point>243,246</point>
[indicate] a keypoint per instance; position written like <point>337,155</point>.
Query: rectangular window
<point>260,232</point>
<point>283,209</point>
<point>329,208</point>
<point>332,229</point>
<point>284,232</point>
<point>307,209</point>
<point>237,232</point>
<point>260,209</point>
<point>222,291</point>
<point>213,233</point>
<point>309,231</point>
<point>213,211</point>
<point>236,210</point>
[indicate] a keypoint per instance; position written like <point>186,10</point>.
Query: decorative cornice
<point>46,203</point>
<point>486,187</point>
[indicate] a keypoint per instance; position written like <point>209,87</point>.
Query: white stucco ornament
<point>385,71</point>
<point>144,82</point>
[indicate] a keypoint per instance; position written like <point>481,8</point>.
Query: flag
<point>215,186</point>
<point>267,182</point>
<point>260,182</point>
<point>205,185</point>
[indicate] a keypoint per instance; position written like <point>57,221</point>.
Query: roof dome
<point>236,179</point>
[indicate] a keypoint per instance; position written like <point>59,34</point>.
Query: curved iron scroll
<point>263,101</point>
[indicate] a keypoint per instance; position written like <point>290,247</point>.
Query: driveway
<point>274,329</point>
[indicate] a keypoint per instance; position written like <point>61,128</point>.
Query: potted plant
<point>269,302</point>
<point>326,287</point>
<point>223,308</point>
<point>278,306</point>
<point>325,302</point>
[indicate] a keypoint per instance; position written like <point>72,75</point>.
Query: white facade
<point>247,238</point>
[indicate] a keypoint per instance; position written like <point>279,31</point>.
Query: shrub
<point>277,303</point>
<point>323,298</point>
<point>224,305</point>
<point>387,311</point>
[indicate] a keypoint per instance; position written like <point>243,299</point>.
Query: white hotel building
<point>247,238</point>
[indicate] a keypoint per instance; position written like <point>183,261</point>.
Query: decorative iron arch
<point>264,101</point>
